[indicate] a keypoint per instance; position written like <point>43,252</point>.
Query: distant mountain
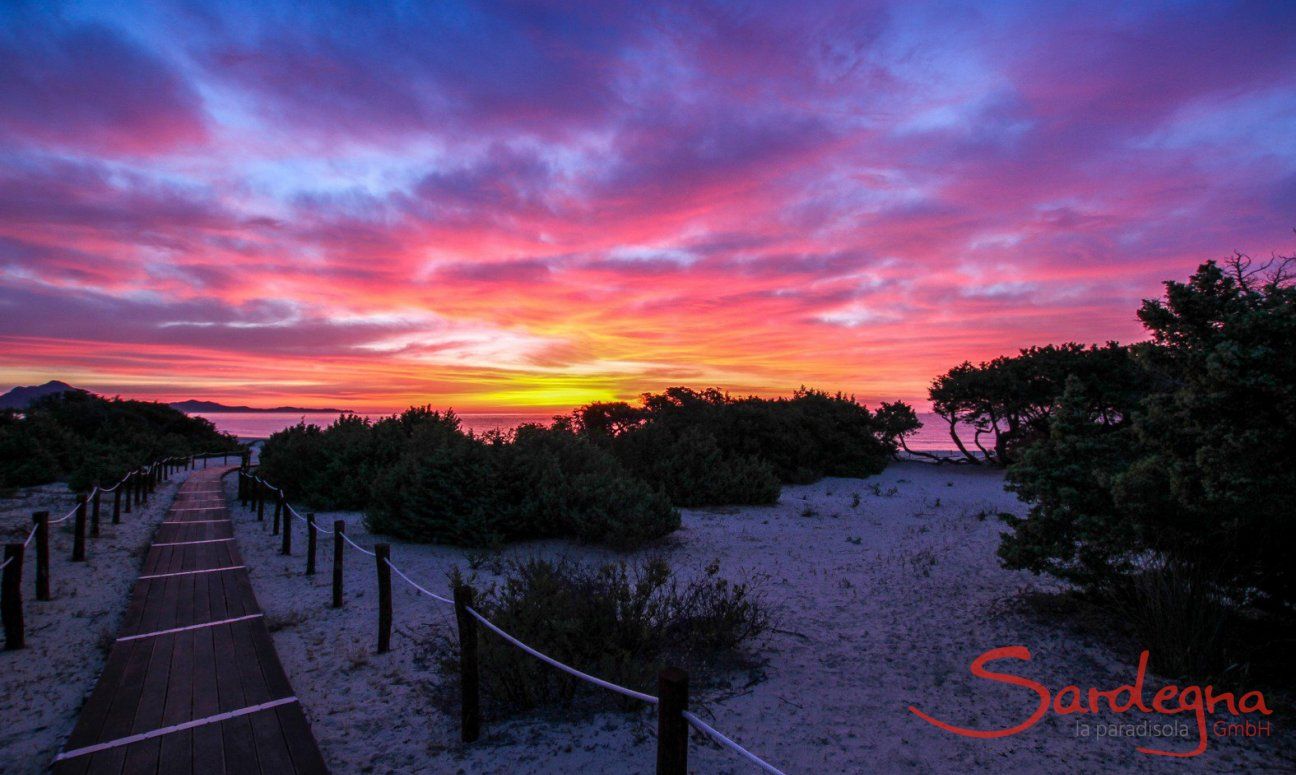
<point>21,397</point>
<point>192,406</point>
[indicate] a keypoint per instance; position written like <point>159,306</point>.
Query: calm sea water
<point>933,436</point>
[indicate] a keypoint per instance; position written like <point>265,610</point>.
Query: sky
<point>508,206</point>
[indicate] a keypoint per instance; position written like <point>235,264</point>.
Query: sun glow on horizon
<point>278,204</point>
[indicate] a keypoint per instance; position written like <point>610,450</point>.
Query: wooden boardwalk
<point>194,653</point>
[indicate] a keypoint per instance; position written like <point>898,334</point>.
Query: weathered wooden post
<point>11,596</point>
<point>41,518</point>
<point>94,511</point>
<point>672,727</point>
<point>116,517</point>
<point>339,527</point>
<point>128,484</point>
<point>79,526</point>
<point>259,490</point>
<point>311,530</point>
<point>287,528</point>
<point>469,693</point>
<point>381,553</point>
<point>278,510</point>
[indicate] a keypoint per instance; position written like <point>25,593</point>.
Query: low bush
<point>618,622</point>
<point>419,476</point>
<point>709,448</point>
<point>83,438</point>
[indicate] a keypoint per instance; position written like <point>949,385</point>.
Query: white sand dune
<point>880,606</point>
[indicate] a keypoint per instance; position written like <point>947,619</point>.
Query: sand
<point>879,606</point>
<point>43,686</point>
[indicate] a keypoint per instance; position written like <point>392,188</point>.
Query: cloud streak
<point>500,205</point>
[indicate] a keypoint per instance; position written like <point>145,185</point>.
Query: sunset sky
<point>503,206</point>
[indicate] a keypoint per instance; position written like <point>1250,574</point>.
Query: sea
<point>932,437</point>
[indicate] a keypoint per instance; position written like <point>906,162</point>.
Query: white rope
<point>414,584</point>
<point>715,735</point>
<point>30,536</point>
<point>5,564</point>
<point>706,728</point>
<point>347,538</point>
<point>65,517</point>
<point>565,668</point>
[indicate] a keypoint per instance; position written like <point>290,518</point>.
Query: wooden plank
<point>175,754</point>
<point>238,746</point>
<point>158,681</point>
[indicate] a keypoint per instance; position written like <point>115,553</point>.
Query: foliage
<point>1196,472</point>
<point>620,623</point>
<point>707,447</point>
<point>419,476</point>
<point>1012,399</point>
<point>85,438</point>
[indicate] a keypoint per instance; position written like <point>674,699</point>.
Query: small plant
<point>614,621</point>
<point>922,562</point>
<point>855,500</point>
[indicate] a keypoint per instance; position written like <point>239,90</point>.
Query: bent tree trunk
<point>953,421</point>
<point>989,456</point>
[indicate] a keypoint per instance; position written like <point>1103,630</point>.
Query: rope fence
<point>130,492</point>
<point>674,718</point>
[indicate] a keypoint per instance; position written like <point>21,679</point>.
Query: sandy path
<point>882,605</point>
<point>43,685</point>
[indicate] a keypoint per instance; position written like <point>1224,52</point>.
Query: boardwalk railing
<point>131,491</point>
<point>673,716</point>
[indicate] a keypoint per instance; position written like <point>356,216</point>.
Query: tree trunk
<point>959,442</point>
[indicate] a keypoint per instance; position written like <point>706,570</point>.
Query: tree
<point>1012,399</point>
<point>1199,470</point>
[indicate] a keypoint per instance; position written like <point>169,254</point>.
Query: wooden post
<point>134,488</point>
<point>204,462</point>
<point>128,484</point>
<point>242,489</point>
<point>469,695</point>
<point>310,543</point>
<point>278,511</point>
<point>117,505</point>
<point>258,491</point>
<point>339,527</point>
<point>41,518</point>
<point>287,528</point>
<point>94,511</point>
<point>11,596</point>
<point>672,727</point>
<point>78,538</point>
<point>381,553</point>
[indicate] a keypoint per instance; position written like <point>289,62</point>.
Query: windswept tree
<point>1010,401</point>
<point>1199,472</point>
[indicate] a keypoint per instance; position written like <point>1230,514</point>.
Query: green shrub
<point>1197,472</point>
<point>84,438</point>
<point>706,447</point>
<point>563,481</point>
<point>616,622</point>
<point>692,470</point>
